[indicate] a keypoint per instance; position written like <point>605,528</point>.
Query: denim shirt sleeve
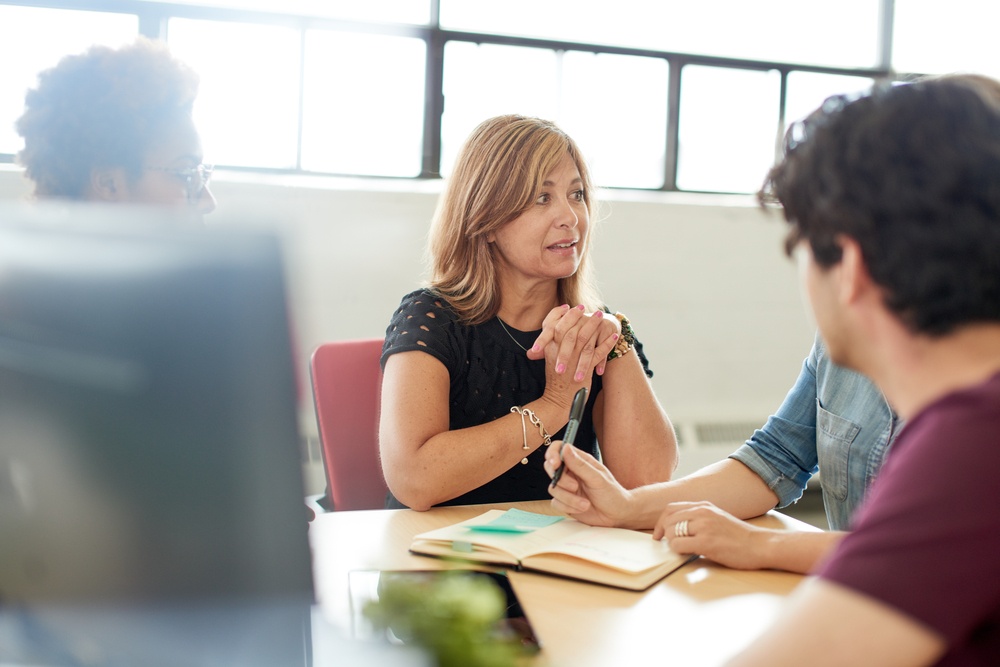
<point>833,420</point>
<point>856,428</point>
<point>783,451</point>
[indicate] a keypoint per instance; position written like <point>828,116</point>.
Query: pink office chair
<point>347,385</point>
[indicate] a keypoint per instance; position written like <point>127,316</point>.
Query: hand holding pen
<point>575,415</point>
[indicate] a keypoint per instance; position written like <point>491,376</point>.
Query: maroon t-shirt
<point>927,540</point>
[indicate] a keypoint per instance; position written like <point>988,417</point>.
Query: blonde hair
<point>497,176</point>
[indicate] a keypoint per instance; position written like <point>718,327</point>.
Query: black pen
<point>575,415</point>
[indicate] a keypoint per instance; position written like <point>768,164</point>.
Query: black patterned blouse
<point>489,374</point>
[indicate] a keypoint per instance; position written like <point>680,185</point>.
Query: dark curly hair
<point>912,173</point>
<point>99,109</point>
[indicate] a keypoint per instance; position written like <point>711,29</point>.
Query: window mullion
<point>433,104</point>
<point>782,99</point>
<point>886,20</point>
<point>673,124</point>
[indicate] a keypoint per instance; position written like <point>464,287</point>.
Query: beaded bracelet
<point>535,421</point>
<point>625,341</point>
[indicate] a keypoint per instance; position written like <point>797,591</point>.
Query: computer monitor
<point>151,494</point>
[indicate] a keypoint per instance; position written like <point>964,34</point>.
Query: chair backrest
<point>347,385</point>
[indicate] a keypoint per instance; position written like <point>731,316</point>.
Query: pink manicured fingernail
<point>534,348</point>
<point>565,305</point>
<point>578,377</point>
<point>599,314</point>
<point>560,368</point>
<point>600,370</point>
<point>615,336</point>
<point>580,307</point>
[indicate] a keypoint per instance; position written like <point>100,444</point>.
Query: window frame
<point>154,16</point>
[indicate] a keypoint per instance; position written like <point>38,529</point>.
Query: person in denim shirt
<point>833,420</point>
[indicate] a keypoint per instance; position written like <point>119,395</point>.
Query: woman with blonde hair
<point>481,366</point>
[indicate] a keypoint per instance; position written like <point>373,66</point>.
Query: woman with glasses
<point>115,125</point>
<point>481,367</point>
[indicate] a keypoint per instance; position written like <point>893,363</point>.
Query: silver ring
<point>681,529</point>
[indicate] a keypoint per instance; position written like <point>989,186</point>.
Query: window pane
<point>807,90</point>
<point>488,80</point>
<point>247,108</point>
<point>395,11</point>
<point>935,37</point>
<point>32,40</point>
<point>728,128</point>
<point>584,93</point>
<point>615,107</point>
<point>778,30</point>
<point>363,105</point>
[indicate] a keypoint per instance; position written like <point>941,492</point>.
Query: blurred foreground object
<point>151,492</point>
<point>454,615</point>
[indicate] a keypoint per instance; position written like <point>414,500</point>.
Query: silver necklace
<point>510,335</point>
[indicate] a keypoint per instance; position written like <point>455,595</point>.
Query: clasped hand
<point>576,341</point>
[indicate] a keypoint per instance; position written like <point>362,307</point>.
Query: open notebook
<point>555,545</point>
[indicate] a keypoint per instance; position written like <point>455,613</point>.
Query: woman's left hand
<point>583,338</point>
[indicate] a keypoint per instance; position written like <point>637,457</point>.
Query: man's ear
<point>108,184</point>
<point>855,280</point>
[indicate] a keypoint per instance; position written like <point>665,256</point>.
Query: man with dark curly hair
<point>115,125</point>
<point>893,200</point>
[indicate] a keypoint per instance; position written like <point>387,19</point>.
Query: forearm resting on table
<point>795,551</point>
<point>727,484</point>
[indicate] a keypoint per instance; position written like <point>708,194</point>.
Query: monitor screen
<point>149,450</point>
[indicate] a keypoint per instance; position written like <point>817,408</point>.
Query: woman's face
<point>547,241</point>
<point>173,175</point>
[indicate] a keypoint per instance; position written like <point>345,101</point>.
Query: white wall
<point>702,278</point>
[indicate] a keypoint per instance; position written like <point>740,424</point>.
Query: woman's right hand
<point>586,491</point>
<point>574,345</point>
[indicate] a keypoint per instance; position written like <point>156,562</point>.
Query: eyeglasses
<point>195,178</point>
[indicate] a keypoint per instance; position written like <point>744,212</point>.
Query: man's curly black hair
<point>100,109</point>
<point>912,174</point>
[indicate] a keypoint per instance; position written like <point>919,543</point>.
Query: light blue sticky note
<point>516,521</point>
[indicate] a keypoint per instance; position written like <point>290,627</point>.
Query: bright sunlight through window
<point>32,40</point>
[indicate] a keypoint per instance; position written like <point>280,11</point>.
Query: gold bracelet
<point>535,421</point>
<point>625,341</point>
